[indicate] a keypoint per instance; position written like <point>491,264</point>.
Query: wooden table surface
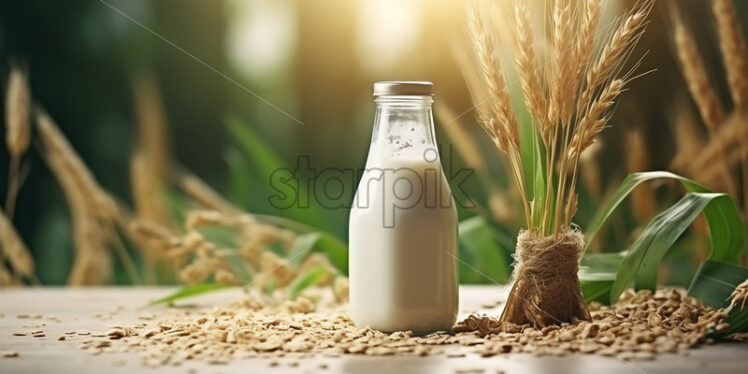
<point>76,309</point>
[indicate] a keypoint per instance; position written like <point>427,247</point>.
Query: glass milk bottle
<point>403,222</point>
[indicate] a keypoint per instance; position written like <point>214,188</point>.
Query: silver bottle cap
<point>418,88</point>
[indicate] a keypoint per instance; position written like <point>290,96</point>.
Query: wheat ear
<point>18,130</point>
<point>505,130</point>
<point>735,57</point>
<point>696,77</point>
<point>55,143</point>
<point>733,47</point>
<point>594,120</point>
<point>611,56</point>
<point>700,88</point>
<point>586,41</point>
<point>528,71</point>
<point>17,113</point>
<point>91,208</point>
<point>501,126</point>
<point>562,65</point>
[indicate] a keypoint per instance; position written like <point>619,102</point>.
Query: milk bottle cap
<point>417,88</point>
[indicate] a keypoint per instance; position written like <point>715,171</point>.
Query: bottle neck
<point>404,128</point>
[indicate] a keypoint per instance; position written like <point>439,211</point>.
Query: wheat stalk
<point>528,72</point>
<point>18,130</point>
<point>501,126</point>
<point>93,210</point>
<point>689,141</point>
<point>561,78</point>
<point>14,250</point>
<point>733,47</point>
<point>586,41</point>
<point>735,57</point>
<point>505,130</point>
<point>17,113</point>
<point>700,88</point>
<point>202,193</point>
<point>643,200</point>
<point>696,77</point>
<point>570,108</point>
<point>463,141</point>
<point>99,202</point>
<point>613,53</point>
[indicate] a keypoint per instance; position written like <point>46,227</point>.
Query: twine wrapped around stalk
<point>546,288</point>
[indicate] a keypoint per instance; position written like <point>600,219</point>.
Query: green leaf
<point>189,291</point>
<point>532,155</point>
<point>264,161</point>
<point>480,242</point>
<point>715,281</point>
<point>632,181</point>
<point>712,285</point>
<point>262,156</point>
<point>336,250</point>
<point>310,278</point>
<point>642,259</point>
<point>725,227</point>
<point>240,178</point>
<point>597,272</point>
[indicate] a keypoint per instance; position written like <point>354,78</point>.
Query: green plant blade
<point>715,281</point>
<point>642,259</point>
<point>336,250</point>
<point>264,161</point>
<point>712,285</point>
<point>532,156</point>
<point>632,181</point>
<point>480,243</point>
<point>310,278</point>
<point>189,291</point>
<point>597,272</point>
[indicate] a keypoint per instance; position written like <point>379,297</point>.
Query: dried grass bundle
<point>570,98</point>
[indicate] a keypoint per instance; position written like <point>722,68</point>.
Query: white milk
<point>403,230</point>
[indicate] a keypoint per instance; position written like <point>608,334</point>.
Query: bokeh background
<point>205,62</point>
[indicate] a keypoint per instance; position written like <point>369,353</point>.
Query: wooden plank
<point>75,309</point>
